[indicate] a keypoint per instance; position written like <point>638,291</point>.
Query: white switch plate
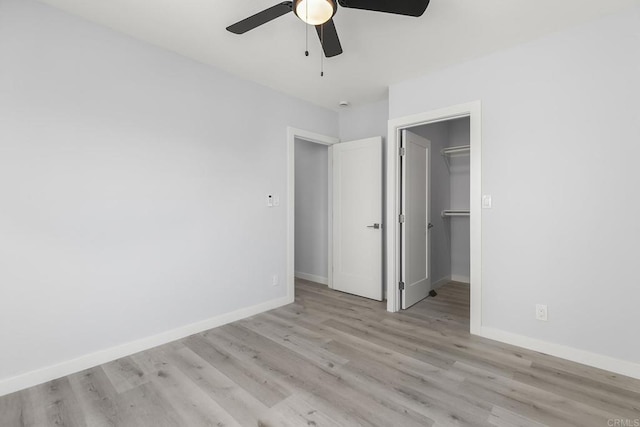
<point>541,312</point>
<point>269,201</point>
<point>274,280</point>
<point>486,201</point>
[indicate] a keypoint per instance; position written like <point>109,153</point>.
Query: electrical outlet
<point>541,312</point>
<point>274,280</point>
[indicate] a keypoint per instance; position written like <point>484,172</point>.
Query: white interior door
<point>357,217</point>
<point>415,228</point>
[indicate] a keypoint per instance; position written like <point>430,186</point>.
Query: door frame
<point>292,134</point>
<point>473,110</point>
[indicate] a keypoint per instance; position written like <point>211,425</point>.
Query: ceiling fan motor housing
<point>315,12</point>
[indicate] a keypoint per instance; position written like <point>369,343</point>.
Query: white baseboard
<point>459,278</point>
<point>312,278</point>
<point>440,283</point>
<point>622,367</point>
<point>39,376</point>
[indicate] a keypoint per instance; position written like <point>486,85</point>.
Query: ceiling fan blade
<point>400,7</point>
<point>260,18</point>
<point>329,38</point>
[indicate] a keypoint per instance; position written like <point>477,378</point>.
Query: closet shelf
<point>451,151</point>
<point>455,212</point>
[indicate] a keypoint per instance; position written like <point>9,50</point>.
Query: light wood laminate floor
<point>333,359</point>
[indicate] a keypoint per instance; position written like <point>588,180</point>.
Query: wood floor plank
<point>125,374</point>
<point>264,386</point>
<point>153,360</point>
<point>239,403</point>
<point>33,408</point>
<point>293,329</point>
<point>500,417</point>
<point>96,395</point>
<point>296,411</point>
<point>61,407</point>
<point>190,402</point>
<point>143,406</point>
<point>12,411</point>
<point>312,351</point>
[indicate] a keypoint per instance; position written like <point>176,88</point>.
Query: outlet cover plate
<point>541,312</point>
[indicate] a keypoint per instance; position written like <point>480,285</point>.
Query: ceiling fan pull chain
<point>321,53</point>
<point>306,42</point>
<point>306,34</point>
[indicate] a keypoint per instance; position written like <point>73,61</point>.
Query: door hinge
<point>401,218</point>
<point>403,151</point>
<point>401,285</point>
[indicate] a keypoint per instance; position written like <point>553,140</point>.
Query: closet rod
<point>455,212</point>
<point>456,150</point>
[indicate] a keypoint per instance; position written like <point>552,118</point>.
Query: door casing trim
<point>473,110</point>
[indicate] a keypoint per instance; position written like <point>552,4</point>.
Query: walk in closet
<point>449,168</point>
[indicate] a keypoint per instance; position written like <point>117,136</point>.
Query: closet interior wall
<point>459,169</point>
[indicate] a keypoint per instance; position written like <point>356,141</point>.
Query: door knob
<point>376,226</point>
<point>430,226</point>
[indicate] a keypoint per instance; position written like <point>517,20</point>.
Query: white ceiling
<point>379,49</point>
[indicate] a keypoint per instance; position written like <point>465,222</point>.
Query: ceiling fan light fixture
<point>315,12</point>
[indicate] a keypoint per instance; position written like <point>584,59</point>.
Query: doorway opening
<point>435,240</point>
<point>309,253</point>
<point>433,186</point>
<point>350,259</point>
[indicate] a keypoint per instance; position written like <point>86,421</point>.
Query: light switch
<point>270,201</point>
<point>486,201</point>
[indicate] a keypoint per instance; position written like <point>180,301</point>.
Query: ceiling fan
<point>319,13</point>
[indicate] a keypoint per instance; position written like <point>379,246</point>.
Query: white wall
<point>560,121</point>
<point>133,187</point>
<point>364,121</point>
<point>312,210</point>
<point>459,170</point>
